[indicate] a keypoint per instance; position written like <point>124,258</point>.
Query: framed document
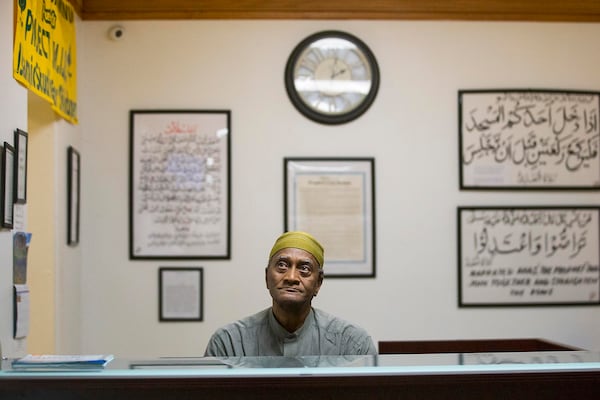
<point>529,139</point>
<point>180,294</point>
<point>179,186</point>
<point>20,184</point>
<point>333,199</point>
<point>511,256</point>
<point>73,195</point>
<point>7,185</point>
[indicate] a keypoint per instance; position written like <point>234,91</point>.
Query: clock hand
<point>333,73</point>
<point>341,71</point>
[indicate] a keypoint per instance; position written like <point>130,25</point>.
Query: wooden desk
<point>547,375</point>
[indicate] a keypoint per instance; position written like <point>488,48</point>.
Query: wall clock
<point>332,77</point>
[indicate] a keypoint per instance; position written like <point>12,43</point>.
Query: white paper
<point>181,294</point>
<point>22,311</point>
<point>19,217</point>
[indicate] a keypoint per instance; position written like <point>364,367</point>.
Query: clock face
<point>332,77</point>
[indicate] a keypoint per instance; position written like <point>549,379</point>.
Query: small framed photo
<point>7,186</point>
<point>20,182</point>
<point>73,191</point>
<point>333,199</point>
<point>180,294</point>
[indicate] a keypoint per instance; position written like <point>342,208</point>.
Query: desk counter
<point>524,375</point>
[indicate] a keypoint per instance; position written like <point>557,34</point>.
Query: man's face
<point>293,277</point>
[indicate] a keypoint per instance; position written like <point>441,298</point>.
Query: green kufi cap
<point>299,240</point>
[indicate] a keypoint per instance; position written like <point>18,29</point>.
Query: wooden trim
<point>580,384</point>
<point>469,346</point>
<point>77,6</point>
<point>474,10</point>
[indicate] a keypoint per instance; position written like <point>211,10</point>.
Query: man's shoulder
<point>345,336</point>
<point>334,323</point>
<point>248,322</point>
<point>236,337</point>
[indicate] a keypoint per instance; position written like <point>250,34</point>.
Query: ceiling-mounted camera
<point>116,32</point>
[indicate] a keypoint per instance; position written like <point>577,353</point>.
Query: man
<point>291,326</point>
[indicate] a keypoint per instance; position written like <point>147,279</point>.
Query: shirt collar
<point>281,333</point>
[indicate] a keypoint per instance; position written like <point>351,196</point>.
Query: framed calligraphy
<point>529,139</point>
<point>73,195</point>
<point>179,185</point>
<point>180,294</point>
<point>333,199</point>
<point>7,186</point>
<point>20,183</point>
<point>528,256</point>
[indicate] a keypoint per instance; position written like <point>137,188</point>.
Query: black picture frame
<point>73,195</point>
<point>340,184</point>
<point>528,256</point>
<point>21,151</point>
<point>7,186</point>
<point>180,184</point>
<point>529,139</point>
<point>180,294</point>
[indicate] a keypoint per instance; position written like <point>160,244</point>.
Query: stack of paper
<point>48,361</point>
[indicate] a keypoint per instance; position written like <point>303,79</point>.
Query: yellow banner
<point>45,55</point>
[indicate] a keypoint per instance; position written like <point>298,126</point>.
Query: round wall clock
<point>332,77</point>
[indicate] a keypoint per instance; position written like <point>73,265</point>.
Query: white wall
<point>68,259</point>
<point>53,267</point>
<point>13,114</point>
<point>57,300</point>
<point>42,221</point>
<point>411,130</point>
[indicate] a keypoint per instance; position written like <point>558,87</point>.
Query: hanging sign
<point>44,56</point>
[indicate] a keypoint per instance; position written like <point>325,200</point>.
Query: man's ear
<point>320,283</point>
<point>266,280</point>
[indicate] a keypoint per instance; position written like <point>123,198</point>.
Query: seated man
<point>291,327</point>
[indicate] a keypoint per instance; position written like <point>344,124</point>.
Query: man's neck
<point>291,319</point>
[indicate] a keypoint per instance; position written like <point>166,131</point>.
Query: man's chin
<point>291,301</point>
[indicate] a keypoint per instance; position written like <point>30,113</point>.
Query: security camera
<point>116,32</point>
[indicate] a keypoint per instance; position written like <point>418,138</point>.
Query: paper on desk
<point>54,360</point>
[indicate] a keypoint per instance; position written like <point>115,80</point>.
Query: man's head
<point>294,274</point>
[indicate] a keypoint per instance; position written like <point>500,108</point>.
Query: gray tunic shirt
<point>261,335</point>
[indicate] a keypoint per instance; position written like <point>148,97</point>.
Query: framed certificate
<point>333,199</point>
<point>73,195</point>
<point>20,184</point>
<point>7,185</point>
<point>523,139</point>
<point>516,256</point>
<point>179,193</point>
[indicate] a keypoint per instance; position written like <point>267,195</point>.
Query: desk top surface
<point>381,365</point>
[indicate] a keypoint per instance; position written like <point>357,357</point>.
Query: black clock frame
<point>328,118</point>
